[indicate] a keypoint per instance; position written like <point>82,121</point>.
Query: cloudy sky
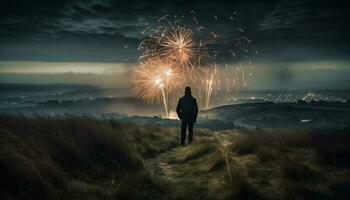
<point>109,31</point>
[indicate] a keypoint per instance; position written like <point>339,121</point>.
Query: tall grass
<point>297,164</point>
<point>331,146</point>
<point>44,157</point>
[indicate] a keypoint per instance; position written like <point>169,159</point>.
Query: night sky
<point>109,31</point>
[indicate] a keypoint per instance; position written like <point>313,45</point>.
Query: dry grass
<point>69,157</point>
<point>297,164</point>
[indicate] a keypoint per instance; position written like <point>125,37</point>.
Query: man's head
<point>188,90</point>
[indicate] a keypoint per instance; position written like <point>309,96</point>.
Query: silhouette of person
<point>187,111</point>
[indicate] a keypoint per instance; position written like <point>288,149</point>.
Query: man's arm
<point>179,109</point>
<point>195,110</point>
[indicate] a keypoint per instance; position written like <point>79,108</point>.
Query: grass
<point>70,157</point>
<point>297,164</point>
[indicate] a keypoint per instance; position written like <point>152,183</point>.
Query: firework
<point>153,80</point>
<point>175,43</point>
<point>192,54</point>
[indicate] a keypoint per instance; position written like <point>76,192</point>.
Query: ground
<point>70,157</point>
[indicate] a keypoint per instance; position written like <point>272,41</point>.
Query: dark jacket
<point>187,108</point>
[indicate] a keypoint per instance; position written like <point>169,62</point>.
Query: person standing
<point>187,111</point>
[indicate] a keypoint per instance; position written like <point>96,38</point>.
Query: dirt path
<point>160,168</point>
<point>182,170</point>
<point>171,172</point>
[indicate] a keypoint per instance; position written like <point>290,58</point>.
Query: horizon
<point>281,75</point>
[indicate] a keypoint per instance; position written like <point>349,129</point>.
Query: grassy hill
<point>70,157</point>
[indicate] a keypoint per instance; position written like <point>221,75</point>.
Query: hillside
<point>321,114</point>
<point>69,157</point>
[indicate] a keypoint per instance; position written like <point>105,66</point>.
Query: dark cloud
<point>107,30</point>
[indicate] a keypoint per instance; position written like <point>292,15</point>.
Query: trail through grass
<point>201,170</point>
<point>70,157</point>
<point>239,165</point>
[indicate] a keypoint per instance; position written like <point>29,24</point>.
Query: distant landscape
<point>282,108</point>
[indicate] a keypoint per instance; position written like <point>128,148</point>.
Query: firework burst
<point>154,80</point>
<point>175,43</point>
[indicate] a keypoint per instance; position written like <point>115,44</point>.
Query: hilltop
<point>71,157</point>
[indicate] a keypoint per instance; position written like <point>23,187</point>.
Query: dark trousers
<point>184,125</point>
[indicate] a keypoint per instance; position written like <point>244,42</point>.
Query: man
<point>187,111</point>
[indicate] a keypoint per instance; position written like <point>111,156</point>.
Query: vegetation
<point>70,157</point>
